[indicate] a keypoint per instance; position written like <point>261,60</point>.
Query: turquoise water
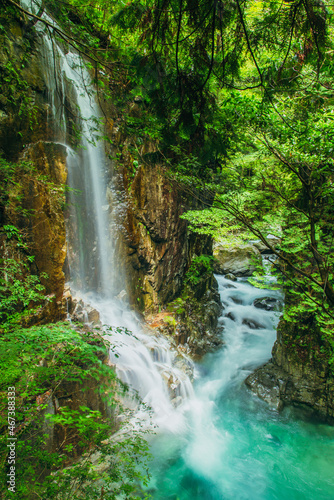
<point>232,445</point>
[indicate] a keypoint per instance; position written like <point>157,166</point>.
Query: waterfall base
<point>234,446</point>
<point>157,374</point>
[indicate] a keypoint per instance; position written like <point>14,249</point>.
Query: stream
<point>215,440</point>
<point>234,446</point>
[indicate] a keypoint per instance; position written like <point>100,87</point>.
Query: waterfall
<point>86,170</point>
<point>143,361</point>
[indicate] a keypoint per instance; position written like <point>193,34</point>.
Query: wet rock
<point>185,365</point>
<point>268,303</point>
<point>231,316</point>
<point>251,323</point>
<point>47,228</point>
<point>267,384</point>
<point>80,317</point>
<point>241,260</point>
<point>236,300</point>
<point>231,277</point>
<point>156,245</point>
<point>196,324</point>
<point>67,293</point>
<point>273,241</point>
<point>84,313</point>
<point>177,401</point>
<point>173,384</point>
<point>122,295</point>
<point>93,315</point>
<point>295,375</point>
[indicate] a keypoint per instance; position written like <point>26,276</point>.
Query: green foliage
<point>284,187</point>
<point>178,305</point>
<point>44,363</point>
<point>16,94</point>
<point>170,320</point>
<point>200,265</point>
<point>11,182</point>
<point>18,289</point>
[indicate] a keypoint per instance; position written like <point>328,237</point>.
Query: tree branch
<point>72,41</point>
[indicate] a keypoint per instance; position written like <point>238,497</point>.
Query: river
<point>234,446</point>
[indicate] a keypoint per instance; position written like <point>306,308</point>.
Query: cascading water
<point>143,361</point>
<point>235,447</point>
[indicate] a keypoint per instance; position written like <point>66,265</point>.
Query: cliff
<point>298,372</point>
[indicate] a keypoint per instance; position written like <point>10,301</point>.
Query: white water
<point>135,350</point>
<point>147,364</point>
<point>234,446</point>
<point>144,362</point>
<point>245,349</point>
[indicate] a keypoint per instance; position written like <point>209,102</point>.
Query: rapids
<point>235,447</point>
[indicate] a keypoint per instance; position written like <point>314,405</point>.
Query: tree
<point>284,185</point>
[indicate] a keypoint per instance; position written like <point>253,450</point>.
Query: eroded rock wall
<point>298,372</point>
<point>157,249</point>
<point>156,246</point>
<point>160,246</point>
<point>34,198</point>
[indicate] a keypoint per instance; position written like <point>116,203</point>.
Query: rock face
<point>155,247</point>
<point>191,322</point>
<point>274,241</point>
<point>34,207</point>
<point>34,200</point>
<point>157,242</point>
<point>241,260</point>
<point>198,328</point>
<point>46,229</point>
<point>268,303</point>
<point>295,374</point>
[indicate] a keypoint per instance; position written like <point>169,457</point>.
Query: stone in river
<point>251,323</point>
<point>231,277</point>
<point>268,303</point>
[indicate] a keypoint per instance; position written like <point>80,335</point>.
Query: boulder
<point>84,313</point>
<point>268,303</point>
<point>241,260</point>
<point>232,278</point>
<point>237,300</point>
<point>251,323</point>
<point>267,383</point>
<point>297,374</point>
<point>272,240</point>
